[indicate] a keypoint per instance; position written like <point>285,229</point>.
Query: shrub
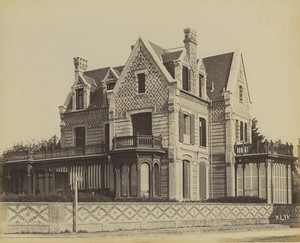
<point>238,199</point>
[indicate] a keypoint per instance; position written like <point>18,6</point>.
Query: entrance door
<point>80,137</point>
<point>142,124</point>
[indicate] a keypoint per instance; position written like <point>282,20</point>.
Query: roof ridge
<point>219,55</point>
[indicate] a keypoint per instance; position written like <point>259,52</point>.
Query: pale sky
<point>40,38</point>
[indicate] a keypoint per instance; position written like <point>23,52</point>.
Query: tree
<point>52,143</point>
<point>257,137</point>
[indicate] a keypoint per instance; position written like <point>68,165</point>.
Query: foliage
<point>238,199</point>
<point>144,199</point>
<point>296,184</point>
<point>257,137</point>
<point>52,143</point>
<point>82,197</point>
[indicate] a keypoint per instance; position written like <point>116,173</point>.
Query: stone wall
<point>92,217</point>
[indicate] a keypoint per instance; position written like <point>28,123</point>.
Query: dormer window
<point>141,83</point>
<point>185,78</point>
<point>79,99</point>
<point>110,86</point>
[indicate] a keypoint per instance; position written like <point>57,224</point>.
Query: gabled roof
<point>98,74</point>
<point>171,56</point>
<point>157,49</point>
<point>89,80</point>
<point>218,70</point>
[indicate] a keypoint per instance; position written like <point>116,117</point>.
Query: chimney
<point>81,65</point>
<point>190,43</point>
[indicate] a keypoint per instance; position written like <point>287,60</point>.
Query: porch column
<point>243,167</point>
<point>272,196</point>
<point>53,180</point>
<point>268,191</point>
<point>118,182</point>
<point>28,177</point>
<point>235,179</point>
<point>151,181</point>
<point>138,179</point>
<point>258,184</point>
<point>19,181</point>
<point>287,183</point>
<point>86,182</point>
<point>33,182</point>
<point>46,182</point>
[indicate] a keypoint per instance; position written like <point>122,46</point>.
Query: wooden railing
<point>264,148</point>
<point>139,141</point>
<point>56,153</point>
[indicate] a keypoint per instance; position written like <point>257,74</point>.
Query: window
<point>186,179</point>
<point>241,131</point>
<point>79,99</point>
<point>202,180</point>
<point>141,82</point>
<point>80,137</point>
<point>241,93</point>
<point>110,86</point>
<point>246,132</point>
<point>145,180</point>
<point>200,84</point>
<point>185,78</point>
<point>187,123</point>
<point>202,132</point>
<point>237,130</point>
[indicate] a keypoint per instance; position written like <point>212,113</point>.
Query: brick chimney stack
<point>190,43</point>
<point>80,65</point>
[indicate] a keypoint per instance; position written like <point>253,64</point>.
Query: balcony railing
<point>56,153</point>
<point>139,141</point>
<point>264,148</point>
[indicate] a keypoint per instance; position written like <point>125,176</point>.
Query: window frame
<point>185,78</point>
<point>79,98</point>
<point>141,83</point>
<point>202,132</point>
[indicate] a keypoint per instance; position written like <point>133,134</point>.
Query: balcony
<point>137,142</point>
<point>269,148</point>
<point>69,152</point>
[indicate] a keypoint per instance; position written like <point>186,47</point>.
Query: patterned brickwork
<point>106,213</point>
<point>156,94</point>
<point>28,215</point>
<point>36,217</point>
<point>93,118</point>
<point>218,112</point>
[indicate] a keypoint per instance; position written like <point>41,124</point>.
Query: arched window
<point>145,180</point>
<point>124,180</point>
<point>133,180</point>
<point>186,179</point>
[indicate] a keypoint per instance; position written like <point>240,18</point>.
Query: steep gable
<point>218,70</point>
<point>143,59</point>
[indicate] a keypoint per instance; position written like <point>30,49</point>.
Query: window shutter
<point>192,129</point>
<point>181,126</point>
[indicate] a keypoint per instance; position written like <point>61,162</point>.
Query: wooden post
<point>77,178</point>
<point>287,183</point>
<point>243,167</point>
<point>258,165</point>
